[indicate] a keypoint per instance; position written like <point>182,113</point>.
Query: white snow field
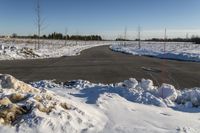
<point>28,49</point>
<point>173,50</point>
<point>80,106</point>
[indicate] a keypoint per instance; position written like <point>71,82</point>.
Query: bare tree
<point>77,34</point>
<point>125,35</point>
<point>66,30</point>
<point>139,37</point>
<point>39,23</point>
<point>165,39</point>
<point>186,37</point>
<point>85,41</point>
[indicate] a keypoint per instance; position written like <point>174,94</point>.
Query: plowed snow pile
<point>27,109</point>
<point>81,106</point>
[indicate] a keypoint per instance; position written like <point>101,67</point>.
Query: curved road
<point>100,64</point>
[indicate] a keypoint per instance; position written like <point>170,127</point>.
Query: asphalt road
<point>100,64</point>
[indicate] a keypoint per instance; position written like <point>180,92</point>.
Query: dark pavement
<point>100,64</point>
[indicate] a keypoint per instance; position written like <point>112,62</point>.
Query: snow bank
<point>177,51</point>
<point>119,103</point>
<point>140,92</point>
<point>165,95</point>
<point>25,49</point>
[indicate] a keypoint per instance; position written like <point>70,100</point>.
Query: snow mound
<point>140,92</point>
<point>147,85</point>
<point>165,95</point>
<point>189,97</point>
<point>28,53</point>
<point>143,92</point>
<point>167,91</point>
<point>29,109</point>
<point>119,102</point>
<point>7,81</point>
<point>131,83</point>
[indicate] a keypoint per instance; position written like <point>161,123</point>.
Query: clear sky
<point>104,17</point>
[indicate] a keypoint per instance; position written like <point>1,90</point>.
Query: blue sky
<point>105,17</point>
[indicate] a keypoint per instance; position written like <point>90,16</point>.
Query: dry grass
<point>20,96</point>
<point>9,112</point>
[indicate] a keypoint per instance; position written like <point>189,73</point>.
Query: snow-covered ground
<point>173,50</point>
<point>28,49</point>
<point>80,106</point>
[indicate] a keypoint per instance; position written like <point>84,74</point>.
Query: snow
<point>189,97</point>
<point>167,91</point>
<point>65,115</point>
<point>80,106</point>
<point>174,50</point>
<point>128,117</point>
<point>25,48</point>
